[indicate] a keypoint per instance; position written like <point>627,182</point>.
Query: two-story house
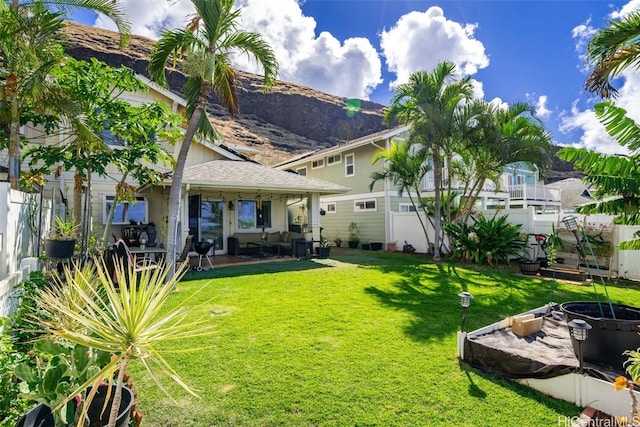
<point>349,164</point>
<point>224,190</point>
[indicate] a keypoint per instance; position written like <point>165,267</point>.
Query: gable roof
<point>227,175</point>
<point>348,145</point>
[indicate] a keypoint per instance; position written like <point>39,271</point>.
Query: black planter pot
<point>323,252</point>
<point>375,246</point>
<point>530,268</point>
<point>353,244</point>
<point>609,336</point>
<point>59,249</point>
<point>366,246</point>
<point>95,408</point>
<point>40,416</point>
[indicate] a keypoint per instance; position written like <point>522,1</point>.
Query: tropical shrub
<point>486,240</point>
<point>23,329</point>
<point>11,405</point>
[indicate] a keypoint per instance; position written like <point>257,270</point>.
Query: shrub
<point>12,406</point>
<point>486,240</point>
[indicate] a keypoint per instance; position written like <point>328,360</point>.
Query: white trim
<point>337,159</point>
<point>359,196</point>
<point>105,211</point>
<point>409,206</point>
<point>319,163</point>
<point>335,208</point>
<point>364,202</point>
<point>172,96</point>
<point>346,164</point>
<point>348,145</point>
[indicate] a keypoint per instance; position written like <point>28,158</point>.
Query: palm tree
<point>406,168</point>
<point>496,137</point>
<point>429,102</point>
<point>30,47</point>
<point>611,51</point>
<point>207,41</point>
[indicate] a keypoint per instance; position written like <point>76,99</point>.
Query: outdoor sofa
<point>238,243</point>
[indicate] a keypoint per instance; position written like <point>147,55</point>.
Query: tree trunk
<point>14,133</point>
<point>422,224</point>
<point>437,178</point>
<point>175,195</point>
<point>117,396</point>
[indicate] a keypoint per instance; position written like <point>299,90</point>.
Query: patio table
<point>265,245</point>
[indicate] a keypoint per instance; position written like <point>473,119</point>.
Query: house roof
<point>348,145</point>
<point>575,192</point>
<point>237,175</point>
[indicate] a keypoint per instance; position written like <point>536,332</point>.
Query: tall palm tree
<point>497,137</point>
<point>30,38</point>
<point>405,168</point>
<point>429,102</point>
<point>611,51</point>
<point>207,42</point>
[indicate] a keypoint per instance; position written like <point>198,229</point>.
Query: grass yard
<point>365,339</point>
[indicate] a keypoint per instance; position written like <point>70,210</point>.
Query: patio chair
<point>121,251</point>
<point>184,255</point>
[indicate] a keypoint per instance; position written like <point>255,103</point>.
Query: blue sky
<point>520,50</point>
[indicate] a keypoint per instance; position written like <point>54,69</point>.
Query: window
<point>364,205</point>
<point>317,164</point>
<point>110,139</point>
<point>302,171</point>
<point>406,207</point>
<point>125,211</point>
<point>249,216</point>
<point>349,165</point>
<point>331,208</point>
<point>334,159</point>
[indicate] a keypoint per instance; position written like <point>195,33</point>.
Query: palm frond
<point>618,125</point>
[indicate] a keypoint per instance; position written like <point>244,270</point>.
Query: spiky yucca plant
<point>88,308</point>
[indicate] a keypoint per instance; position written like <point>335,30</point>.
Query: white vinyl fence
<point>20,215</point>
<point>405,227</point>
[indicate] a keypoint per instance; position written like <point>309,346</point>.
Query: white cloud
<point>582,34</point>
<point>541,107</point>
<point>582,120</point>
<point>421,40</point>
<point>349,68</point>
<point>632,6</point>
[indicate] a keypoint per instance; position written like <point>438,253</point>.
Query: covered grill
<point>202,248</point>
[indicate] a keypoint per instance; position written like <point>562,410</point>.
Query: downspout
<point>387,200</point>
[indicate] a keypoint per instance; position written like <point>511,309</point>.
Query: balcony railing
<point>534,192</point>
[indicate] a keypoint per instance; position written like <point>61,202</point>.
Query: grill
<point>202,248</point>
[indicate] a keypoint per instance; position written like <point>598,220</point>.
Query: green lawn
<point>365,339</point>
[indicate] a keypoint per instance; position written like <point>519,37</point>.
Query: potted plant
<point>54,370</point>
<point>353,241</point>
<point>325,248</point>
<point>391,246</point>
<point>91,311</point>
<point>62,239</point>
<point>529,263</point>
<point>338,241</point>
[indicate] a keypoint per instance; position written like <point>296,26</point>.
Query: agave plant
<point>126,322</point>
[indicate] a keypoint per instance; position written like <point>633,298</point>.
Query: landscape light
<point>465,302</point>
<point>579,330</point>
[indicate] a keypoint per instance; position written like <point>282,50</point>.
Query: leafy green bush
<point>23,328</point>
<point>12,407</point>
<point>486,240</point>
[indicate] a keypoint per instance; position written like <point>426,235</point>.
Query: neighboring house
<point>527,189</point>
<point>224,191</point>
<point>575,192</point>
<point>349,164</point>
